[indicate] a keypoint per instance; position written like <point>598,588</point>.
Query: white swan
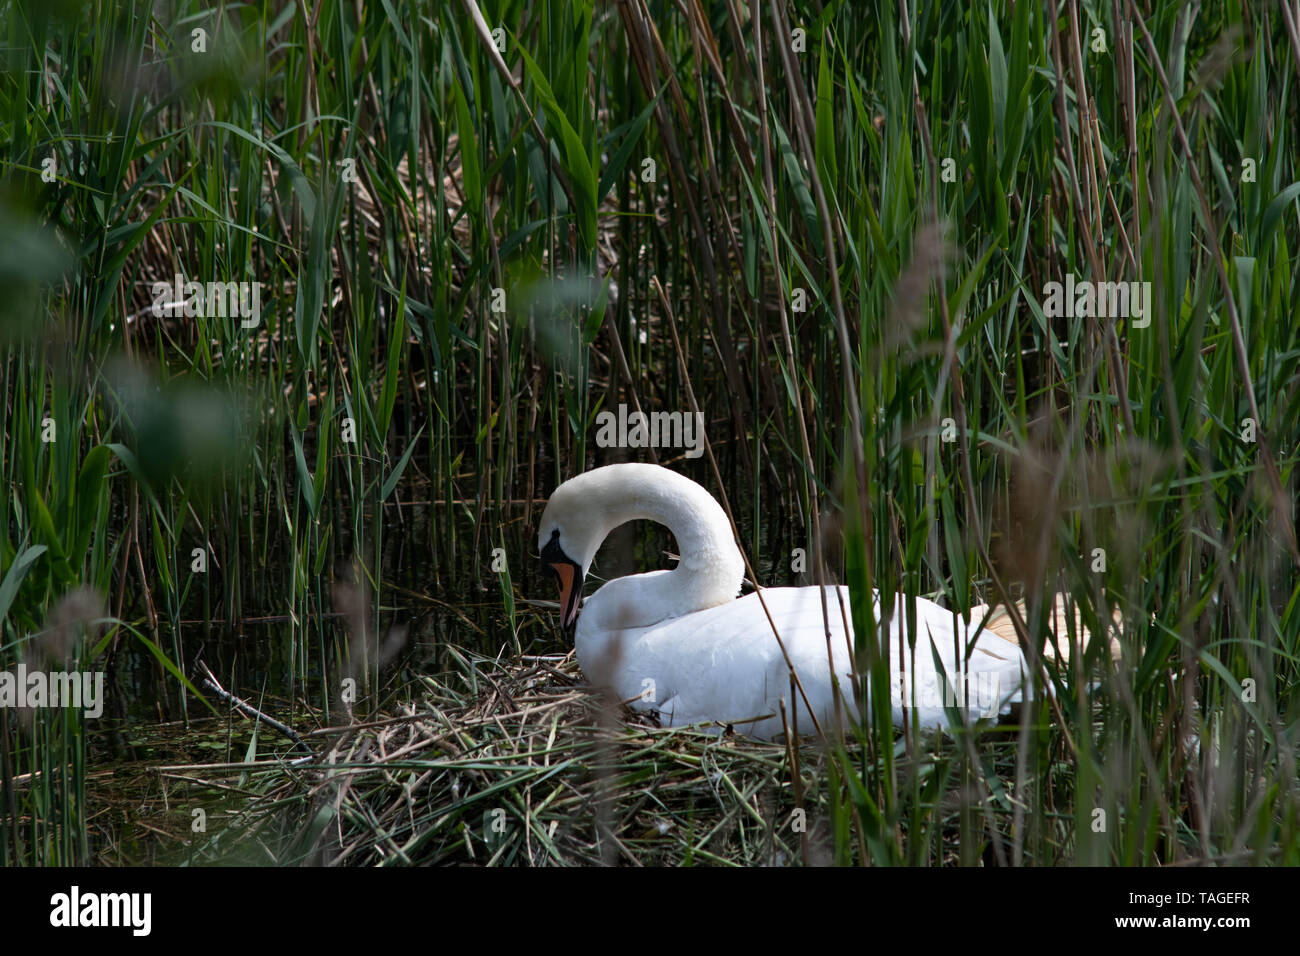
<point>681,643</point>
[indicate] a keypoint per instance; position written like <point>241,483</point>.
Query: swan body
<point>682,644</point>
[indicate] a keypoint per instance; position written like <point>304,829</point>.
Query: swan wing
<point>723,665</point>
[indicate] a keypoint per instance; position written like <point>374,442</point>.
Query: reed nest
<point>516,760</point>
<point>521,763</point>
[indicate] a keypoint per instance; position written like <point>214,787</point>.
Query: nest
<point>519,763</point>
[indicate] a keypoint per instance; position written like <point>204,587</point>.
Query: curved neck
<point>710,570</point>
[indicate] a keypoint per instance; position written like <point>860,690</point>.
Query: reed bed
<point>829,228</point>
<point>519,762</point>
<point>533,769</point>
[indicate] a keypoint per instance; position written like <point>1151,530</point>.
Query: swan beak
<point>570,581</point>
<point>568,575</point>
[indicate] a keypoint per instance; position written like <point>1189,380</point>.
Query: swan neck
<point>710,569</point>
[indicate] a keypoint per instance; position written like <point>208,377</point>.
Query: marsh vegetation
<point>828,229</point>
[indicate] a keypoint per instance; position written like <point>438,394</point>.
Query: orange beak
<point>566,575</point>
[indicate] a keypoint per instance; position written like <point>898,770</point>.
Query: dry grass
<point>520,763</point>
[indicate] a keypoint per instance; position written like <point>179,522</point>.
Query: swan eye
<point>552,546</point>
<point>552,543</point>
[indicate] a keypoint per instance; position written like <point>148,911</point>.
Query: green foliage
<point>457,267</point>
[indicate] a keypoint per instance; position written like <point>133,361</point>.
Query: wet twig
<point>210,681</point>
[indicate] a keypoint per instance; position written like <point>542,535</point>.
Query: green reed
<point>458,247</point>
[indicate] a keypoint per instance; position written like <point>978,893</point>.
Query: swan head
<point>582,511</point>
<point>570,534</point>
